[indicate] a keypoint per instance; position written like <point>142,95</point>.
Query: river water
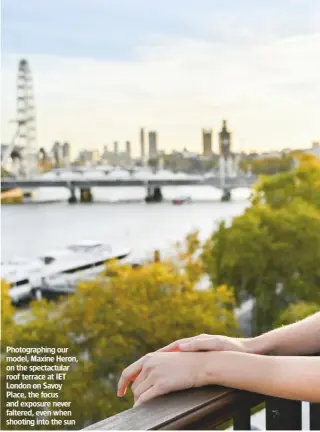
<point>29,230</point>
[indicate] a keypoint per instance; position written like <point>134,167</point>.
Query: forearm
<point>299,338</point>
<point>295,378</point>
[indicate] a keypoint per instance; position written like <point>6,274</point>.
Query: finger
<point>142,387</point>
<point>201,344</point>
<point>129,374</point>
<point>153,392</point>
<point>143,375</point>
<point>174,346</point>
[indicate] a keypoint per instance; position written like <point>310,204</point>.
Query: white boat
<point>78,261</point>
<point>16,273</point>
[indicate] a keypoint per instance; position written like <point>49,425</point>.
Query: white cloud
<point>268,90</point>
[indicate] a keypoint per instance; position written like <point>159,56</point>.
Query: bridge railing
<point>208,408</point>
<point>231,182</point>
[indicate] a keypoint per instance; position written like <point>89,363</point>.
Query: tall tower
<point>57,152</point>
<point>115,147</point>
<point>128,148</point>
<point>207,142</point>
<point>66,154</point>
<point>142,144</point>
<point>153,150</point>
<point>225,141</point>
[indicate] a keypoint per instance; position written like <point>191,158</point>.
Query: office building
<point>57,153</point>
<point>115,147</point>
<point>207,142</point>
<point>89,156</point>
<point>142,144</point>
<point>66,154</point>
<point>153,150</point>
<point>128,148</point>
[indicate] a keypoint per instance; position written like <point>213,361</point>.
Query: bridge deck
<point>231,182</point>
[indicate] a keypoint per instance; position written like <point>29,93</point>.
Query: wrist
<point>213,366</point>
<point>257,345</point>
<point>203,365</point>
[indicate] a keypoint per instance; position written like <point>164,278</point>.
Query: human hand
<point>206,342</point>
<point>159,373</point>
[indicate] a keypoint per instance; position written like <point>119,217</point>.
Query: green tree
<point>297,312</point>
<point>302,182</point>
<point>267,165</point>
<point>271,252</point>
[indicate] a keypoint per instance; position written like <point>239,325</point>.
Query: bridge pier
<point>73,198</point>
<point>154,194</point>
<point>226,195</point>
<point>86,195</point>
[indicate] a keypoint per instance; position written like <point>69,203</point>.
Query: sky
<point>104,68</point>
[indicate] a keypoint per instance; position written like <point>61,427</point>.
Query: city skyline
<point>114,67</point>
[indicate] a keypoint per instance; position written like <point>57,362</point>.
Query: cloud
<point>269,90</point>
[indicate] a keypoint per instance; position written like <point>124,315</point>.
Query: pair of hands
<point>175,367</point>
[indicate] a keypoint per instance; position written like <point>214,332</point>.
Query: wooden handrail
<point>201,408</point>
<point>208,407</point>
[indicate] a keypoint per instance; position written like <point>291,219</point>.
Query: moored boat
<point>75,262</point>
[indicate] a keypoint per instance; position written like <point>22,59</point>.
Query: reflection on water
<point>113,194</point>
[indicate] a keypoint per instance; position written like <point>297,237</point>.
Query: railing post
<point>314,416</point>
<point>242,421</point>
<point>283,414</point>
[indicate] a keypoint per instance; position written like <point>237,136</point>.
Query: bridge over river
<point>152,185</point>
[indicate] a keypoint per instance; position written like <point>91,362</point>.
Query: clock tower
<point>225,141</point>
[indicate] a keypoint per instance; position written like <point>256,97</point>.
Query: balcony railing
<point>208,408</point>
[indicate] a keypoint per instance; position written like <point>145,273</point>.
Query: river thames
<point>29,230</point>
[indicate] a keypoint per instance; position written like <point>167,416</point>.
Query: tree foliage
<point>271,253</point>
<point>297,312</point>
<point>303,182</point>
<point>267,165</point>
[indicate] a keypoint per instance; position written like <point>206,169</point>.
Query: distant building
<point>128,149</point>
<point>89,157</point>
<point>105,153</point>
<point>142,150</point>
<point>153,149</point>
<point>207,142</point>
<point>57,153</point>
<point>225,141</point>
<point>270,154</point>
<point>316,144</point>
<point>66,154</point>
<point>115,147</point>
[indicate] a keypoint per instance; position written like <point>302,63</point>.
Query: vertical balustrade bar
<point>315,416</point>
<point>283,414</point>
<point>242,421</point>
